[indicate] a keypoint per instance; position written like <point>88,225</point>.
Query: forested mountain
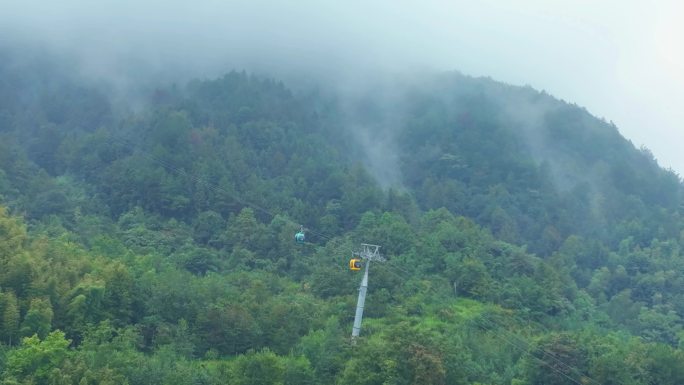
<point>148,239</point>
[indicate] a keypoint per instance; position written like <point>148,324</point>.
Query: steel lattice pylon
<point>368,253</point>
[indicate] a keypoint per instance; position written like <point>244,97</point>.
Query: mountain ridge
<point>155,244</point>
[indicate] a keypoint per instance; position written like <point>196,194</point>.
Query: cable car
<point>299,237</point>
<point>355,264</point>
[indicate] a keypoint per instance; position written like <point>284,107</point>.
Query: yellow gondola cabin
<point>355,264</point>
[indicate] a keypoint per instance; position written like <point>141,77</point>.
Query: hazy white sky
<point>622,60</point>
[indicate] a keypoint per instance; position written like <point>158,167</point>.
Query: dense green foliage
<point>528,242</point>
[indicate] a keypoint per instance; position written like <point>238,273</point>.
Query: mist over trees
<point>152,242</point>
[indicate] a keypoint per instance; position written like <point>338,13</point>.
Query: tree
<point>557,359</point>
<point>298,371</point>
<point>427,365</point>
<point>659,325</point>
<point>84,305</point>
<point>38,319</point>
<point>230,329</point>
<point>471,278</point>
<point>10,318</point>
<point>614,360</point>
<point>16,269</point>
<point>37,360</point>
<point>326,350</point>
<point>259,368</point>
<point>118,294</point>
<point>665,365</point>
<point>207,227</point>
<point>243,230</point>
<point>12,235</point>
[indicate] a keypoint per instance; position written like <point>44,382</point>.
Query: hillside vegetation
<point>527,241</point>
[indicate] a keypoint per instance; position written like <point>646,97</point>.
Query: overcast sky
<point>621,59</point>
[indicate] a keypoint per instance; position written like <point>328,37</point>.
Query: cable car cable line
<point>497,331</point>
<point>213,187</point>
<point>513,340</point>
<point>544,328</point>
<point>501,328</point>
